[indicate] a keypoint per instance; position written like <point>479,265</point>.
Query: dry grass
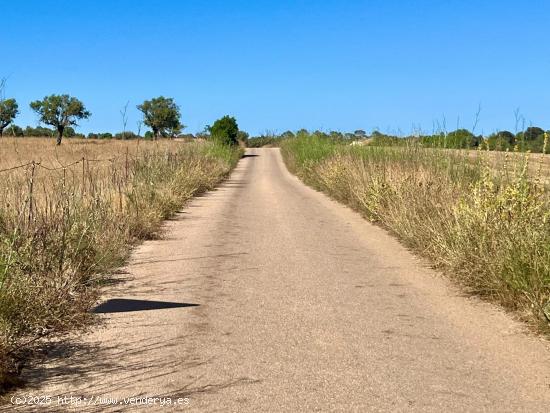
<point>21,150</point>
<point>486,223</point>
<point>538,165</point>
<point>70,217</point>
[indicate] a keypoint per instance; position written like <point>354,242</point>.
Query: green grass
<point>487,228</point>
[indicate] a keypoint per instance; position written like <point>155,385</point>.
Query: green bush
<point>501,141</point>
<point>126,135</point>
<point>14,130</point>
<point>225,130</point>
<point>39,131</point>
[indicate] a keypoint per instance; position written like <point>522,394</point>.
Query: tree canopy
<point>462,139</point>
<point>501,140</point>
<point>60,111</point>
<point>8,111</point>
<point>532,133</point>
<point>162,115</point>
<point>225,130</point>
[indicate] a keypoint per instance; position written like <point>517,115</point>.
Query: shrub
<point>126,135</point>
<point>264,140</point>
<point>13,130</point>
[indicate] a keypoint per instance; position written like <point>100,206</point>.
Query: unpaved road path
<point>301,306</point>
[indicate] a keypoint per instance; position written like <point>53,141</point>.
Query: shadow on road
<point>121,305</point>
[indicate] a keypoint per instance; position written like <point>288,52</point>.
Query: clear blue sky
<point>277,65</point>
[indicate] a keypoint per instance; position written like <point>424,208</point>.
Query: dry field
<point>69,215</point>
<point>538,164</point>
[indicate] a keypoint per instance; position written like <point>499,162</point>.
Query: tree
<point>532,133</point>
<point>60,111</point>
<point>461,139</point>
<point>162,115</point>
<point>360,132</point>
<point>225,130</point>
<point>302,133</point>
<point>8,111</point>
<point>39,131</point>
<point>501,140</point>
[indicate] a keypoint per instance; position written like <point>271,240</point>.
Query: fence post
<point>31,187</point>
<point>126,165</point>
<point>83,176</point>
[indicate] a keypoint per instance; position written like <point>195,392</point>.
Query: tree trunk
<point>59,134</point>
<point>1,131</point>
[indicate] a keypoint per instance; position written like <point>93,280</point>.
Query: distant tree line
<point>62,112</point>
<point>272,139</point>
<point>531,139</point>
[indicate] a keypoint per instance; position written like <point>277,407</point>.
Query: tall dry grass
<point>486,223</point>
<point>69,214</point>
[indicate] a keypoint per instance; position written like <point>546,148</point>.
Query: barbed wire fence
<point>89,184</point>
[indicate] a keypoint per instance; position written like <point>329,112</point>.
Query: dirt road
<point>265,296</point>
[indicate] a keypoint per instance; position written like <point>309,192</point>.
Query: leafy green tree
<point>537,145</point>
<point>302,133</point>
<point>60,111</point>
<point>39,131</point>
<point>501,140</point>
<point>225,130</point>
<point>8,111</point>
<point>162,115</point>
<point>532,133</point>
<point>461,139</point>
<point>530,139</point>
<point>69,132</point>
<point>126,135</point>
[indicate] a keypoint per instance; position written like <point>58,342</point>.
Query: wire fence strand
<point>40,165</point>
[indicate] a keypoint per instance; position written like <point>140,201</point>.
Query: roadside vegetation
<point>486,223</point>
<point>69,216</point>
<point>71,212</point>
<point>264,141</point>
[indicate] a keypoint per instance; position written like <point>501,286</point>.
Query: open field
<point>23,150</point>
<point>483,217</point>
<point>267,296</point>
<point>68,216</point>
<point>538,165</point>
